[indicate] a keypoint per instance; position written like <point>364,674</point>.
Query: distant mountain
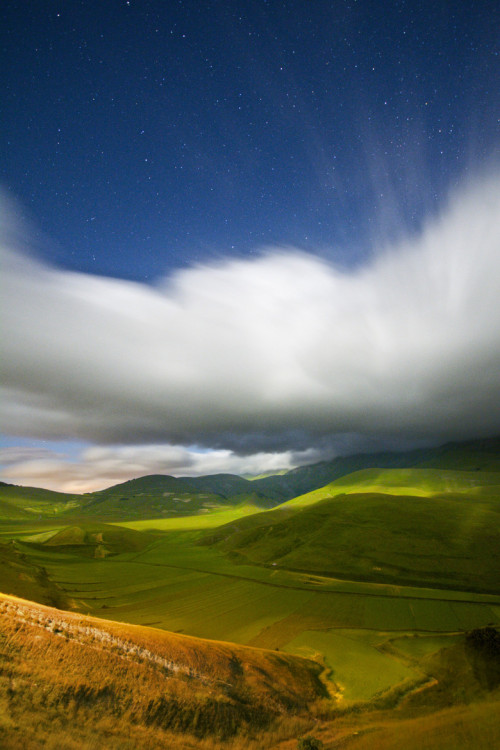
<point>224,485</point>
<point>160,495</point>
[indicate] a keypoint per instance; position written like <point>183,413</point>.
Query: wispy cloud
<point>279,352</point>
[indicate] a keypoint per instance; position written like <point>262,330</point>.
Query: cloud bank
<point>283,351</point>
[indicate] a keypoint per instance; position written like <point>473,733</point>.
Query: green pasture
<point>41,536</point>
<point>225,607</point>
<point>414,646</point>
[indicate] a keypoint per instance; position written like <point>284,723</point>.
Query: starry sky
<point>241,236</point>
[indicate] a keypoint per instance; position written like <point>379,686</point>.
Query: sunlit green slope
<point>473,455</point>
<point>415,482</point>
<point>450,540</point>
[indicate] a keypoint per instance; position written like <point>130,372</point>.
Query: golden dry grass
<point>70,681</point>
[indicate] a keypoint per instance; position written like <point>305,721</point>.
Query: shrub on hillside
<point>483,650</point>
<point>309,743</point>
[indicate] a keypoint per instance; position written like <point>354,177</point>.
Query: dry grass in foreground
<point>71,682</point>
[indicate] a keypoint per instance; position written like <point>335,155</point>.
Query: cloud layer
<point>283,351</point>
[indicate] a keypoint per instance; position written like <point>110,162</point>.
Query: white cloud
<point>265,354</point>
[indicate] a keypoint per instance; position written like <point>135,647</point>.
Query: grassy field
<point>208,520</point>
<point>342,648</point>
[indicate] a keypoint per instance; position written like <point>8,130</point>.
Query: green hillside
<point>224,485</point>
<point>167,505</point>
<point>91,540</point>
<point>448,541</point>
<point>32,502</point>
<point>415,482</point>
<point>163,496</point>
<point>149,505</point>
<point>471,455</point>
<point>155,496</point>
<point>22,576</point>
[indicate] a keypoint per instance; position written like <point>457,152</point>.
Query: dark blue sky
<point>142,136</point>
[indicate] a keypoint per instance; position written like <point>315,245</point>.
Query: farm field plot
<point>415,646</point>
<point>180,548</point>
<point>206,520</point>
<point>195,602</point>
<point>174,568</point>
<point>19,530</point>
<point>342,649</point>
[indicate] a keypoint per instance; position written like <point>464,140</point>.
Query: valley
<point>371,581</point>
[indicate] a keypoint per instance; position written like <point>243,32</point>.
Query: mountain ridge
<point>166,495</point>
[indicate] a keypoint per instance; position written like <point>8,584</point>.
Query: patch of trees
<point>482,647</point>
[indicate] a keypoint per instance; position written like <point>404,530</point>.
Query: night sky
<point>245,235</point>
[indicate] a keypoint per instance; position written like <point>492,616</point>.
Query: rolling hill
<point>157,496</point>
<point>91,540</point>
<point>422,527</point>
<point>88,681</point>
<point>417,482</point>
<point>23,503</point>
